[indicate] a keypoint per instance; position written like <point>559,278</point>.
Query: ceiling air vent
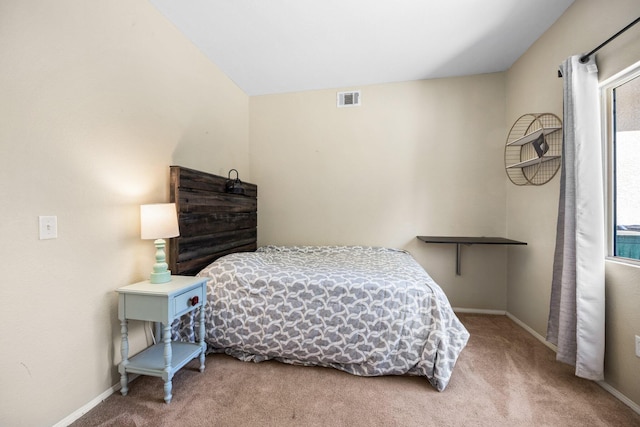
<point>349,99</point>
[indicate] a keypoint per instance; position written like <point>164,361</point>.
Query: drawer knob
<point>195,300</point>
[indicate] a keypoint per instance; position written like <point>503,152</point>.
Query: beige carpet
<point>504,377</point>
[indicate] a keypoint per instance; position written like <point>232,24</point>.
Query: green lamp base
<point>160,273</point>
<point>162,277</point>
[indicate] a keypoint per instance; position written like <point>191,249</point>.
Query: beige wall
<point>97,100</point>
<point>417,158</point>
<point>533,86</point>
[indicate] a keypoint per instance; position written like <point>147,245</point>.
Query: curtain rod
<point>585,58</point>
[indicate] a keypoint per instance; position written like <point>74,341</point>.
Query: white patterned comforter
<point>367,311</point>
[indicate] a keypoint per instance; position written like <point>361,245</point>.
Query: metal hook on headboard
<point>234,186</point>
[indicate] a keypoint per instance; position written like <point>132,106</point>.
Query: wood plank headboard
<point>212,223</point>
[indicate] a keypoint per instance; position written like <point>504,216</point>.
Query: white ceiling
<point>276,46</point>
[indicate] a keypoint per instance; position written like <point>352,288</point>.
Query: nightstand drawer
<point>187,301</point>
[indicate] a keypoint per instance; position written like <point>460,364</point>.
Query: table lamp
<point>159,221</point>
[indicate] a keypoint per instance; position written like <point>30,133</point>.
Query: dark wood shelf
<point>466,240</point>
<point>470,240</point>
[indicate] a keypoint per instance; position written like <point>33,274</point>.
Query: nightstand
<point>162,303</point>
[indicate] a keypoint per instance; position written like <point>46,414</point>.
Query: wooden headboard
<point>212,223</point>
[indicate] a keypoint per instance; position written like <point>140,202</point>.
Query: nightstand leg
<point>202,344</point>
<point>124,352</point>
<point>168,374</point>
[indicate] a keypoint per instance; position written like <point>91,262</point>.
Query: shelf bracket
<point>458,258</point>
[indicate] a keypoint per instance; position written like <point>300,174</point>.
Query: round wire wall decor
<point>533,151</point>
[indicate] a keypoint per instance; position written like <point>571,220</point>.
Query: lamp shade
<point>158,221</point>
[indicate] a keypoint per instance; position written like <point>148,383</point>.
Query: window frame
<point>608,137</point>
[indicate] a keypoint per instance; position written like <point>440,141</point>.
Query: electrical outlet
<point>638,345</point>
<point>48,227</point>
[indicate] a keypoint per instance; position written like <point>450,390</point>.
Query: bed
<point>364,310</point>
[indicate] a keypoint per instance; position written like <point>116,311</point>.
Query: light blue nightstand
<point>161,303</point>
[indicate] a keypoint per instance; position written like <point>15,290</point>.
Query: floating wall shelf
<point>460,240</point>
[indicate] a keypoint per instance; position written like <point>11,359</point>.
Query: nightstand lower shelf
<point>151,360</point>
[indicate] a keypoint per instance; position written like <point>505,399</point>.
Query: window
<point>621,96</point>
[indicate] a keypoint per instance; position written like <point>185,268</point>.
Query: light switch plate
<point>638,345</point>
<point>48,227</point>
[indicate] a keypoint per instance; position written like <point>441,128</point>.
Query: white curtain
<point>576,316</point>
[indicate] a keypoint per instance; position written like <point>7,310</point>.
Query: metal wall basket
<point>532,153</point>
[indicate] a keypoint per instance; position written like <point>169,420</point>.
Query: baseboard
<point>86,408</point>
<point>479,311</point>
<point>510,316</point>
<point>92,404</point>
<point>621,397</point>
<point>527,328</point>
